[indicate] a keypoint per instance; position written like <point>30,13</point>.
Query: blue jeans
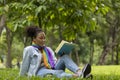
<point>63,62</point>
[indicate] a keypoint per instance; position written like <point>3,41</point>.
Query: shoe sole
<point>86,70</point>
<point>89,76</point>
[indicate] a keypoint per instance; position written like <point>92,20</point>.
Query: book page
<point>61,46</point>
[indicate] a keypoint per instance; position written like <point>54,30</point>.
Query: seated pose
<point>40,60</point>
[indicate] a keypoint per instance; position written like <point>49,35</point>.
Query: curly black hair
<point>32,31</point>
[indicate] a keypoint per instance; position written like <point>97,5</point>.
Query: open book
<point>64,48</point>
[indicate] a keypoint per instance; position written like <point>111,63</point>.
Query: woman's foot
<point>89,76</point>
<point>86,70</point>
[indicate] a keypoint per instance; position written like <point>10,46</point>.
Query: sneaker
<point>86,70</point>
<point>89,76</point>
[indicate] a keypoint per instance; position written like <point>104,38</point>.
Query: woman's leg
<point>66,62</point>
<point>43,72</point>
<point>58,73</point>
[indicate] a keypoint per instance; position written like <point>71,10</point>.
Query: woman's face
<point>40,39</point>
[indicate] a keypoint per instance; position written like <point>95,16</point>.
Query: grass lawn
<point>111,72</point>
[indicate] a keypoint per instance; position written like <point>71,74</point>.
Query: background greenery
<point>92,24</point>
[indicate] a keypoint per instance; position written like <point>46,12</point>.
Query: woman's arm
<point>25,63</point>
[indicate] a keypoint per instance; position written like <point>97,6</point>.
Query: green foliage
<point>84,50</point>
<point>2,43</point>
<point>75,15</point>
<point>17,49</point>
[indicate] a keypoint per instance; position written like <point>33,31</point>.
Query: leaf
<point>1,1</point>
<point>6,8</point>
<point>52,16</point>
<point>15,28</point>
<point>39,9</point>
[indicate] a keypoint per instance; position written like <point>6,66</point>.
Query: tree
<point>66,18</point>
<point>2,23</point>
<point>113,31</point>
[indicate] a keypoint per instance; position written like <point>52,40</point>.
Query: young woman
<point>39,60</point>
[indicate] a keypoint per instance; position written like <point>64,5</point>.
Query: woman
<point>38,59</point>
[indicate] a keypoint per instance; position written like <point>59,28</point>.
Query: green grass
<point>99,73</point>
<point>111,72</point>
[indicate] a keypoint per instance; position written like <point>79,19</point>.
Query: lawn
<point>111,72</point>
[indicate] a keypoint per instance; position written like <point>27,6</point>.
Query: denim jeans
<point>63,62</point>
<point>66,62</point>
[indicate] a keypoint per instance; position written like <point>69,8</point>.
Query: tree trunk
<point>2,23</point>
<point>60,33</point>
<point>117,54</point>
<point>40,20</point>
<point>77,58</point>
<point>107,49</point>
<point>91,52</point>
<point>104,53</point>
<point>112,40</point>
<point>9,44</point>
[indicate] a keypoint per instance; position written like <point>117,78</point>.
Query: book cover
<point>64,48</point>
